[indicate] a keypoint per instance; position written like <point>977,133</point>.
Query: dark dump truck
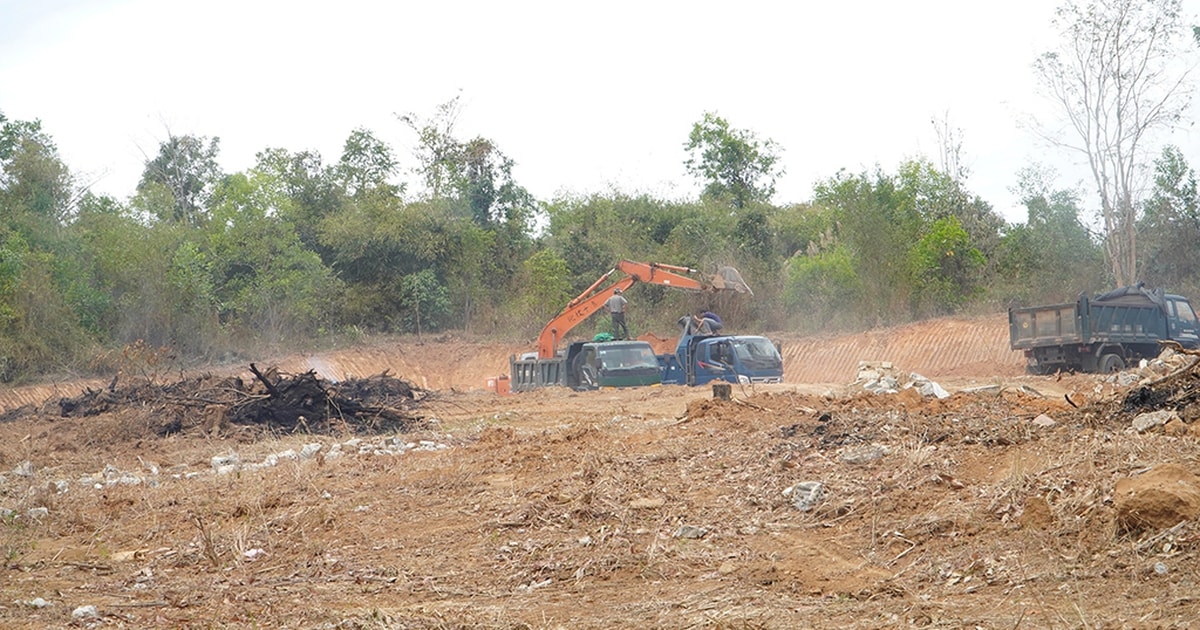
<point>702,359</point>
<point>1102,334</point>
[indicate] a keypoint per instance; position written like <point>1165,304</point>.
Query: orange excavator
<point>593,298</point>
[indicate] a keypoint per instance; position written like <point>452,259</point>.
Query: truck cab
<point>700,359</point>
<point>596,364</point>
<point>1181,321</point>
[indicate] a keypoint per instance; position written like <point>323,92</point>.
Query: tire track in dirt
<point>934,348</point>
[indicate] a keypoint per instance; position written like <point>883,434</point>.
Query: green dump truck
<point>1104,333</point>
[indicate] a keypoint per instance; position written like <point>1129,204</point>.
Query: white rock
<point>24,469</point>
<point>310,450</point>
<point>222,461</point>
<point>1146,421</point>
<point>806,494</point>
<point>982,389</point>
<point>38,513</point>
<point>85,612</point>
<point>691,531</point>
<point>930,389</point>
<point>1044,421</point>
<point>1125,379</point>
<point>864,454</point>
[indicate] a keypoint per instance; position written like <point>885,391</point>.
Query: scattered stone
<point>535,585</point>
<point>1125,379</point>
<point>881,377</point>
<point>982,389</point>
<point>1146,421</point>
<point>928,388</point>
<point>1044,421</point>
<point>38,513</point>
<point>1160,568</point>
<point>863,454</point>
<point>36,602</point>
<point>24,469</point>
<point>223,461</point>
<point>806,494</point>
<point>691,531</point>
<point>85,612</point>
<point>1025,389</point>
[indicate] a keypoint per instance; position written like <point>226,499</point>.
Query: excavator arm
<point>593,298</point>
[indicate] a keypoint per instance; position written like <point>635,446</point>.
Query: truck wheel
<point>1110,363</point>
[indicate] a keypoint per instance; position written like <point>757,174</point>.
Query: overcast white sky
<point>583,96</point>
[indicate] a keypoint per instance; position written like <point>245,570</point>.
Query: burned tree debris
<point>272,400</point>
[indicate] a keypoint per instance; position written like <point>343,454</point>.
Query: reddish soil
<point>652,507</point>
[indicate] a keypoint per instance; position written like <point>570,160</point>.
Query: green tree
<point>548,285</point>
<point>266,282</point>
<point>946,265</point>
<point>878,223</point>
<point>367,166</point>
<point>474,180</point>
<point>1052,256</point>
<point>40,328</point>
<point>732,163</point>
<point>312,188</point>
<point>186,166</point>
<point>425,300</point>
<point>823,288</point>
<point>1170,225</point>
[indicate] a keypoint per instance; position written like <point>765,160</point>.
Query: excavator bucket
<point>730,279</point>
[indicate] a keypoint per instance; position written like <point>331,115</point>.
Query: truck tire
<point>1110,363</point>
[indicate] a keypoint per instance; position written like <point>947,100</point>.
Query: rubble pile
<point>882,377</point>
<point>1161,394</point>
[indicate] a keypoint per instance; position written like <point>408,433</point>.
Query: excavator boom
<point>593,298</point>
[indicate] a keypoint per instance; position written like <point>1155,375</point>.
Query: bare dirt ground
<point>651,507</point>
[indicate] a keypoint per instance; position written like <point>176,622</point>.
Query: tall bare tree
<point>1118,76</point>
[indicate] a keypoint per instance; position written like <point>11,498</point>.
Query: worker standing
<point>616,307</point>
